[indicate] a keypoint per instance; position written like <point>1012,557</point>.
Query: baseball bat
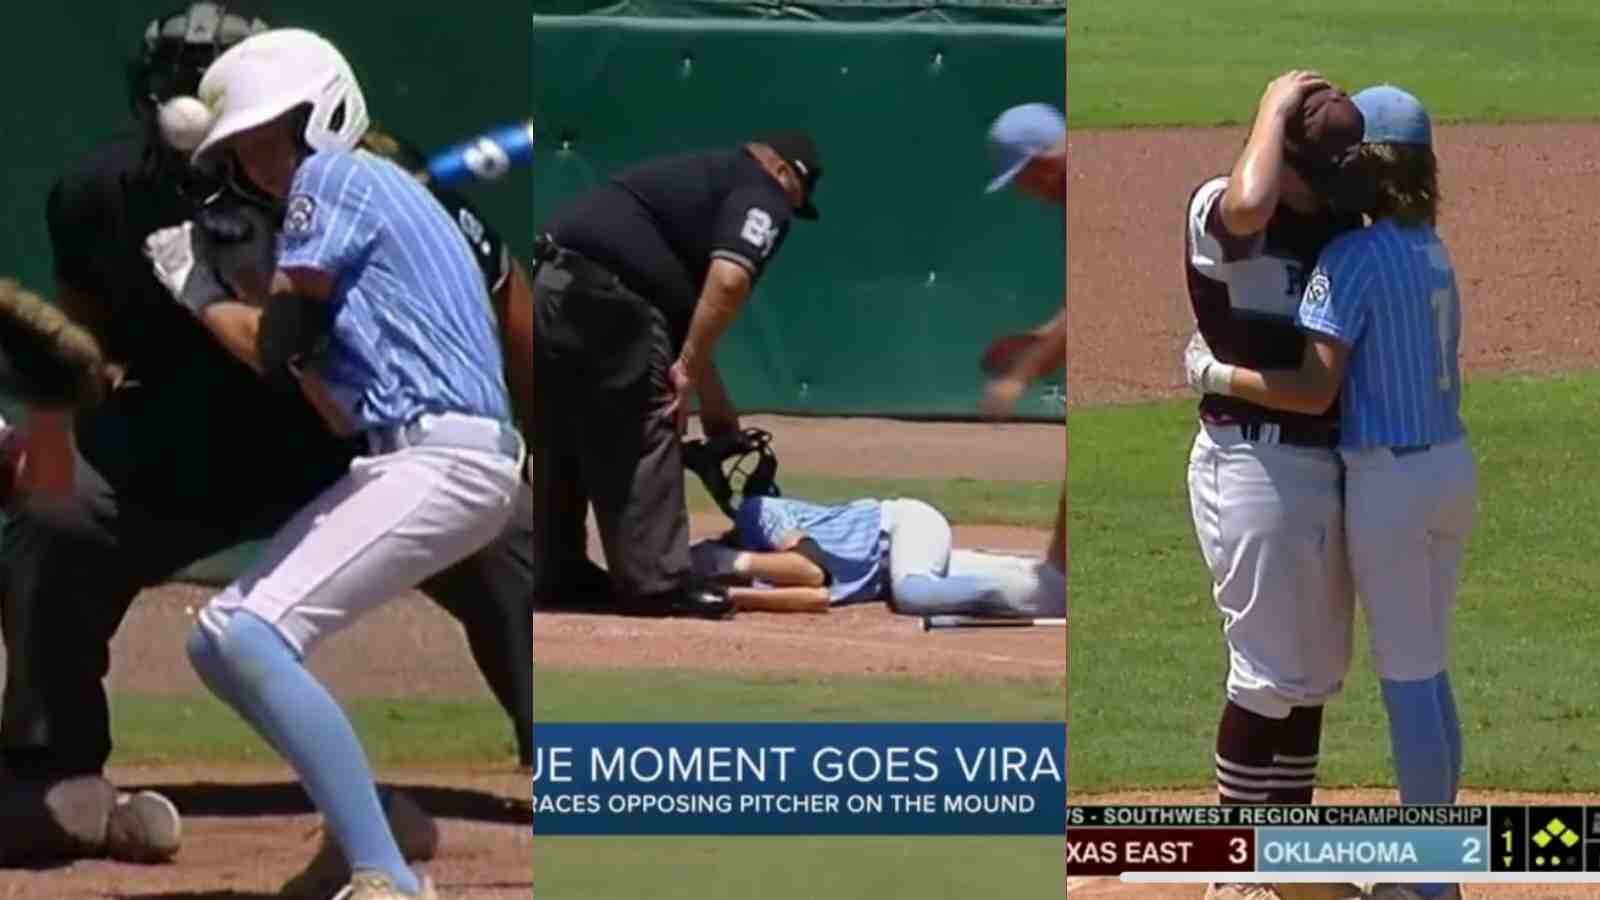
<point>486,157</point>
<point>930,623</point>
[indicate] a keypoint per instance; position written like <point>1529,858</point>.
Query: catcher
<point>150,447</point>
<point>795,555</point>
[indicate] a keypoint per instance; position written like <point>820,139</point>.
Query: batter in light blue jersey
<point>403,350</point>
<point>411,331</point>
<point>1383,313</point>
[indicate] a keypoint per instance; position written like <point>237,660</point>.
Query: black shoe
<point>704,601</point>
<point>701,600</point>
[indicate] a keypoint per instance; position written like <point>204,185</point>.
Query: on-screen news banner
<point>1474,844</point>
<point>799,778</point>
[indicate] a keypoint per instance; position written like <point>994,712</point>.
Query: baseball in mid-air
<point>184,122</point>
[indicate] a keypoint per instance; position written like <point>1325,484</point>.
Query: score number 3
<point>1239,851</point>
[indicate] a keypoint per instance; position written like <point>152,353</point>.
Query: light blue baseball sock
<point>207,662</point>
<point>269,687</point>
<point>934,595</point>
<point>1424,754</point>
<point>1452,728</point>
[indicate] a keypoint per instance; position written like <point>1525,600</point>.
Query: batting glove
<point>191,280</point>
<point>1204,373</point>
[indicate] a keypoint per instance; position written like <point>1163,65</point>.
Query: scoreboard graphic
<point>1186,844</point>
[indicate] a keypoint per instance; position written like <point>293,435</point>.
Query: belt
<point>452,430</point>
<point>546,252</point>
<point>1286,434</point>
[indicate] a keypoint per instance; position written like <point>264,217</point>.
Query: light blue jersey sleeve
<point>1336,301</point>
<point>764,522</point>
<point>330,223</point>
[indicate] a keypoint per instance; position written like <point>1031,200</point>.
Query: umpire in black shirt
<point>634,283</point>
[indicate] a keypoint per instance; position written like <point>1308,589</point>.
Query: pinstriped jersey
<point>413,330</point>
<point>1390,294</point>
<point>849,535</point>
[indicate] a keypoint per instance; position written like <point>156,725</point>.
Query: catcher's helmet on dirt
<point>733,466</point>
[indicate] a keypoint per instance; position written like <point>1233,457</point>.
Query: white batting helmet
<point>266,75</point>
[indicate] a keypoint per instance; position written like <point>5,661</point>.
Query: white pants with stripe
<point>1268,518</point>
<point>1408,518</point>
<point>389,524</point>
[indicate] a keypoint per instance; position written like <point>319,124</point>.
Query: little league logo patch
<point>1318,290</point>
<point>297,219</point>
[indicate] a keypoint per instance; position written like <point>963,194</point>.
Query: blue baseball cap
<point>1018,135</point>
<point>1392,116</point>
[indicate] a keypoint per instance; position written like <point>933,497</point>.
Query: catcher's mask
<point>174,52</point>
<point>733,466</point>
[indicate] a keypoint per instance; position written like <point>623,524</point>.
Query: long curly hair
<point>1406,177</point>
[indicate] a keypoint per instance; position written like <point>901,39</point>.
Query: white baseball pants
<point>1269,521</point>
<point>393,521</point>
<point>921,543</point>
<point>1408,517</point>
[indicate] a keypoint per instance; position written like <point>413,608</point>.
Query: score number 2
<point>1472,848</point>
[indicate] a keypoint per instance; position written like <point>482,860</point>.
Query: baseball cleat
<point>366,885</point>
<point>414,831</point>
<point>144,827</point>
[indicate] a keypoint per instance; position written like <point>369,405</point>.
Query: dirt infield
<point>1513,216</point>
<point>248,829</point>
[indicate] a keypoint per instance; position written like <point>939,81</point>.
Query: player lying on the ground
<point>407,356</point>
<point>899,551</point>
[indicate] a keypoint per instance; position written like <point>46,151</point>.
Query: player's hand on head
<point>1285,93</point>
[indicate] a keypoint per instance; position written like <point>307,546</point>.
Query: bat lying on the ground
<point>930,623</point>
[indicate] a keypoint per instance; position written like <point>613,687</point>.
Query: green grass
<point>1155,62</point>
<point>1028,504</point>
<point>792,868</point>
<point>676,696</point>
<point>151,729</point>
<point>1146,661</point>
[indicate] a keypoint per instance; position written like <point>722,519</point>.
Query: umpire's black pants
<point>602,434</point>
<point>69,570</point>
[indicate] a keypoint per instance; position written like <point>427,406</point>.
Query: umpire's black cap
<point>800,152</point>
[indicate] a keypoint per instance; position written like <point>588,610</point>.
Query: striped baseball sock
<point>1246,742</point>
<point>1299,743</point>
